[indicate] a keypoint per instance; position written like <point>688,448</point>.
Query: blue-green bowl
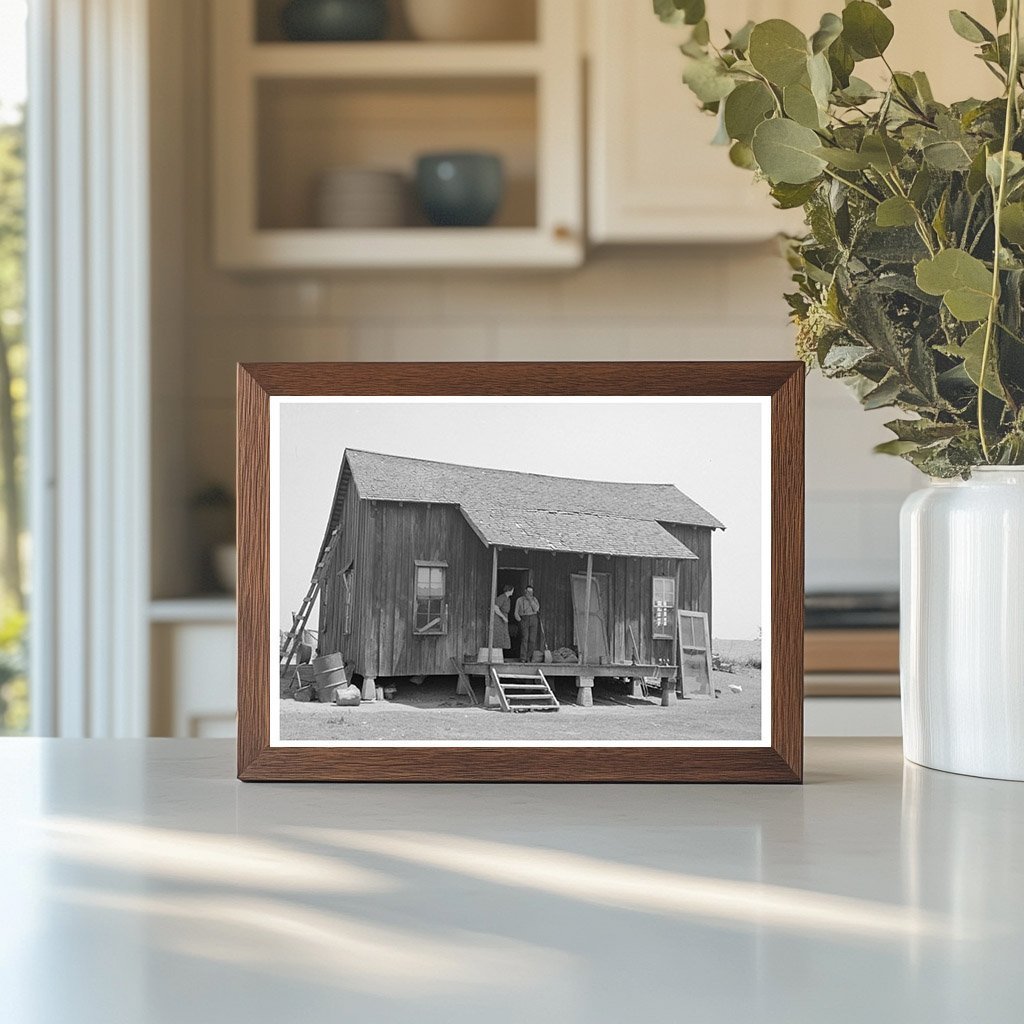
<point>333,21</point>
<point>460,190</point>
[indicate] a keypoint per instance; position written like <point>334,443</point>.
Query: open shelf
<point>288,113</point>
<point>520,17</point>
<point>393,60</point>
<point>306,128</point>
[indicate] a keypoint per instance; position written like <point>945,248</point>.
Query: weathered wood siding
<point>355,546</point>
<point>405,534</point>
<point>630,590</point>
<point>696,589</point>
<point>384,540</point>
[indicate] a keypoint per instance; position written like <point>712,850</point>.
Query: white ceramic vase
<point>962,624</point>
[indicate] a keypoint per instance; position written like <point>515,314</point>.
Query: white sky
<point>12,55</point>
<point>711,451</point>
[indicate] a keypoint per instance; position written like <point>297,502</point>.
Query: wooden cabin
<point>415,550</point>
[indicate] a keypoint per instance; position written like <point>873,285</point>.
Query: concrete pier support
<point>585,691</point>
<point>369,689</point>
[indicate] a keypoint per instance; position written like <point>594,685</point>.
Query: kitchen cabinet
<point>653,175</point>
<point>286,113</point>
<point>193,673</point>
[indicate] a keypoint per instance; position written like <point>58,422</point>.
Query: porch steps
<point>523,689</point>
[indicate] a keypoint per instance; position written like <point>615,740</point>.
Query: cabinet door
<point>654,176</point>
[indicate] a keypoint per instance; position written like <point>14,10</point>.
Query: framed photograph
<point>532,572</point>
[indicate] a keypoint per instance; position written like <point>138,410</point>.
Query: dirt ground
<point>433,712</point>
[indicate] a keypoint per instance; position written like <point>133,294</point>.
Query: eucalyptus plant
<point>910,278</point>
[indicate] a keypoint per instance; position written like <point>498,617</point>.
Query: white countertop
<point>143,885</point>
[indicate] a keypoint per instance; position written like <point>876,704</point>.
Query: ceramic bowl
<point>334,20</point>
<point>356,197</point>
<point>460,189</point>
<point>470,20</point>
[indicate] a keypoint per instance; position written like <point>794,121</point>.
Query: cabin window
<point>664,606</point>
<point>431,612</point>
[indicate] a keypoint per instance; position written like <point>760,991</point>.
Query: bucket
<point>347,696</point>
<point>497,656</point>
<point>330,674</point>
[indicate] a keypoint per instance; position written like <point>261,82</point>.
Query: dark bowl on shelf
<point>333,21</point>
<point>462,190</point>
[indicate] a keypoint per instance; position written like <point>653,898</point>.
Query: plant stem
<point>923,228</point>
<point>856,188</point>
<point>1000,199</point>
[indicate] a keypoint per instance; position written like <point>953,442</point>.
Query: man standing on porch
<point>528,617</point>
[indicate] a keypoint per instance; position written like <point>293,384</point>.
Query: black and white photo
<point>525,571</point>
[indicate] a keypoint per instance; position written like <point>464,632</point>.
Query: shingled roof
<point>397,478</point>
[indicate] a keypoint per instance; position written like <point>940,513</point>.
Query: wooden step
<point>535,694</point>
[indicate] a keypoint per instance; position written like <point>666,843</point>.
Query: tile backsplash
<point>701,303</point>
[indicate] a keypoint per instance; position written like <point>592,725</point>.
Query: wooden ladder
<point>523,689</point>
<point>293,639</point>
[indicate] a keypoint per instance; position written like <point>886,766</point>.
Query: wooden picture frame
<point>779,760</point>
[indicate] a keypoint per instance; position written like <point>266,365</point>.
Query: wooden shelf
<point>400,248</point>
<point>284,113</point>
<point>393,60</point>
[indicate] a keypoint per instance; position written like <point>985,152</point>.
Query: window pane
<point>14,706</point>
<point>664,604</point>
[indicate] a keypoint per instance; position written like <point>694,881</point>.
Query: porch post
<point>490,603</point>
<point>585,683</point>
<point>490,691</point>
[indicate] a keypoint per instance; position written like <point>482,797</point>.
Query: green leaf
<point>858,91</point>
<point>844,159</point>
<point>999,7</point>
<point>739,41</point>
<point>923,431</point>
<point>939,220</point>
<point>745,108</point>
<point>972,352</point>
<point>677,12</point>
<point>841,60</point>
<point>800,105</point>
<point>830,29</point>
<point>785,152</point>
<point>708,80</point>
<point>820,76</point>
<point>778,50</point>
<point>883,153</point>
<point>924,87</point>
<point>1012,226</point>
<point>969,28</point>
<point>947,156</point>
<point>896,447</point>
<point>741,155</point>
<point>921,185</point>
<point>789,197</point>
<point>884,395</point>
<point>976,174</point>
<point>896,212</point>
<point>1014,169</point>
<point>963,281</point>
<point>866,29</point>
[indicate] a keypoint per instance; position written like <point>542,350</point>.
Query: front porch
<point>586,674</point>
